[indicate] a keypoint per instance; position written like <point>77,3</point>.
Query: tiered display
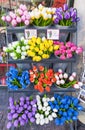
<point>36,50</point>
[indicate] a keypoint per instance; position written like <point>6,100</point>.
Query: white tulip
<point>45,16</point>
<point>18,51</point>
<point>38,121</point>
<point>53,10</point>
<point>14,44</point>
<point>65,75</point>
<point>46,113</point>
<point>55,110</point>
<point>24,53</point>
<point>37,15</point>
<point>38,97</point>
<point>43,38</point>
<point>4,48</point>
<point>41,116</point>
<point>49,16</point>
<point>9,45</point>
<point>60,76</point>
<point>40,7</point>
<point>44,108</point>
<point>15,58</point>
<point>22,39</point>
<point>45,104</point>
<point>26,42</point>
<point>40,107</point>
<point>52,99</point>
<point>57,77</point>
<point>48,108</point>
<point>76,86</point>
<point>60,70</point>
<point>42,122</point>
<point>71,78</point>
<point>54,115</point>
<point>80,84</point>
<point>37,115</point>
<point>48,99</point>
<point>50,118</point>
<point>74,74</point>
<point>46,120</point>
<point>62,81</point>
<point>23,48</point>
<point>27,47</point>
<point>22,57</point>
<point>58,82</point>
<point>44,99</point>
<point>13,54</point>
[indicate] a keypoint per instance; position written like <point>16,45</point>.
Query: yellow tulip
<point>34,39</point>
<point>36,49</point>
<point>51,49</point>
<point>56,47</point>
<point>31,47</point>
<point>38,41</point>
<point>40,52</point>
<point>42,47</point>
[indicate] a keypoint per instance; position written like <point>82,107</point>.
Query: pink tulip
<point>23,7</point>
<point>8,18</point>
<point>56,42</point>
<point>13,22</point>
<point>69,55</point>
<point>63,51</point>
<point>20,12</point>
<point>23,18</point>
<point>62,47</point>
<point>3,18</point>
<point>57,52</point>
<point>18,19</point>
<point>68,44</point>
<point>27,17</point>
<point>12,15</point>
<point>73,48</point>
<point>26,22</point>
<point>68,51</point>
<point>62,57</point>
<point>25,12</point>
<point>79,50</point>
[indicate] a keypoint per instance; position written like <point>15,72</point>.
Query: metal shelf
<point>21,29</point>
<point>52,59</point>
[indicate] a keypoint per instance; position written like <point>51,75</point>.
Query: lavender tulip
<point>9,125</point>
<point>65,7</point>
<point>67,15</point>
<point>32,119</point>
<point>16,123</point>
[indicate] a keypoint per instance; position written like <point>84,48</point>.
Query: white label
<point>29,33</point>
<point>83,56</point>
<point>81,96</point>
<point>53,34</point>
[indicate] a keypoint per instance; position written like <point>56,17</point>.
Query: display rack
<point>51,60</point>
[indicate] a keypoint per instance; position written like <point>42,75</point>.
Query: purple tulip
<point>32,119</point>
<point>59,15</point>
<point>34,109</point>
<point>56,21</point>
<point>9,116</point>
<point>24,116</point>
<point>12,111</point>
<point>15,115</point>
<point>21,103</point>
<point>22,99</point>
<point>29,107</point>
<point>67,15</point>
<point>20,118</point>
<point>27,98</point>
<point>65,7</point>
<point>9,124</point>
<point>25,106</point>
<point>22,122</point>
<point>26,111</point>
<point>16,123</point>
<point>59,10</point>
<point>29,115</point>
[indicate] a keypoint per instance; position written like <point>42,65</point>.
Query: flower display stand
<point>49,61</point>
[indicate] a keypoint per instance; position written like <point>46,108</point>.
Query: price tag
<point>53,34</point>
<point>29,33</point>
<point>84,57</point>
<point>81,96</point>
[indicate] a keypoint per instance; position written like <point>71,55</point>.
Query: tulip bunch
<point>44,113</point>
<point>19,17</point>
<point>42,78</point>
<point>65,16</point>
<point>42,16</point>
<point>17,79</point>
<point>40,48</point>
<point>67,108</point>
<point>21,111</point>
<point>18,49</point>
<point>67,50</point>
<point>64,80</point>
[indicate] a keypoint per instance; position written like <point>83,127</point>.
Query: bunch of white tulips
<point>42,16</point>
<point>64,80</point>
<point>17,49</point>
<point>44,113</point>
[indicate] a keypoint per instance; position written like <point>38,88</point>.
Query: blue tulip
<point>66,106</point>
<point>69,113</point>
<point>55,102</point>
<point>74,118</point>
<point>60,112</point>
<point>76,113</point>
<point>57,121</point>
<point>64,113</point>
<point>80,108</point>
<point>63,101</point>
<point>57,107</point>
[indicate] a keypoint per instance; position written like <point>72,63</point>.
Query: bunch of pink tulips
<point>19,17</point>
<point>67,50</point>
